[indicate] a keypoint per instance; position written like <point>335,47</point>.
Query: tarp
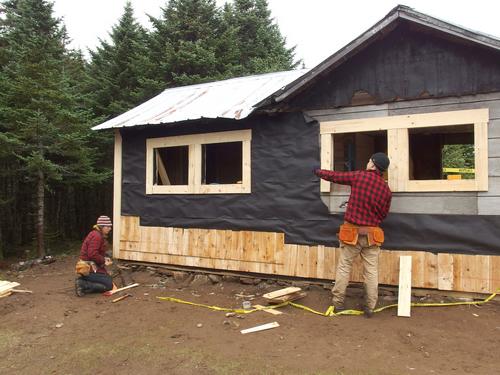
<point>285,194</point>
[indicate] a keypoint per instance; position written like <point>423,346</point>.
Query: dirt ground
<point>54,332</point>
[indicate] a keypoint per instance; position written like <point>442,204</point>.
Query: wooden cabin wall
<point>455,203</point>
<point>267,253</point>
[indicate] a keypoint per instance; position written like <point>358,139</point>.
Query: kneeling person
<point>94,254</point>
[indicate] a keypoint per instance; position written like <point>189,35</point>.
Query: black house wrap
<point>285,194</point>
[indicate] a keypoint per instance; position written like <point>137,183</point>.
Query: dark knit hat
<point>381,161</point>
<point>104,221</point>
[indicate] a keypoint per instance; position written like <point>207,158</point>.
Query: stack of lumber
<point>284,295</point>
<point>6,288</point>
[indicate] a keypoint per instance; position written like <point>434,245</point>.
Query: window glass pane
<point>222,163</point>
<point>441,153</point>
<point>352,151</point>
<point>171,165</point>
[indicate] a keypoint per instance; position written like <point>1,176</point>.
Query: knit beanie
<point>104,221</point>
<point>381,161</point>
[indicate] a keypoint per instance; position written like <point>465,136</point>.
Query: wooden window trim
<point>195,142</point>
<point>398,149</point>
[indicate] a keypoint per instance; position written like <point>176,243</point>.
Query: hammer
<point>121,297</point>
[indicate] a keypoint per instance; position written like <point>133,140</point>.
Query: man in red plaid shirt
<point>368,205</point>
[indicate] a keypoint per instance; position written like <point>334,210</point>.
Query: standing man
<point>368,205</point>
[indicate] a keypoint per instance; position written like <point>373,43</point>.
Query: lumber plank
<point>281,292</point>
<point>404,291</point>
<point>288,298</point>
<point>111,292</point>
<point>270,311</point>
<point>260,328</point>
<point>7,287</point>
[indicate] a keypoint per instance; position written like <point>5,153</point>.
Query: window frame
<point>194,143</point>
<point>398,147</point>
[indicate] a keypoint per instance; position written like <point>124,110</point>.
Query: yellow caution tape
<point>330,311</point>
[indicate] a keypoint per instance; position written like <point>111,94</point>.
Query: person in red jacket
<point>94,251</point>
<point>368,206</point>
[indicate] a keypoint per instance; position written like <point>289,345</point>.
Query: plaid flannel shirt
<point>370,197</point>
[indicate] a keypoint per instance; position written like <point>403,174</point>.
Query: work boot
<point>367,312</point>
<point>338,307</point>
<point>79,287</point>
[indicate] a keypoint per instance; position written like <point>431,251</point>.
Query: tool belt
<point>84,267</point>
<point>348,233</point>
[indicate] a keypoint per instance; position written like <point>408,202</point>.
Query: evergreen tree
<point>118,69</point>
<point>261,47</point>
<point>184,43</point>
<point>42,121</point>
<point>195,42</point>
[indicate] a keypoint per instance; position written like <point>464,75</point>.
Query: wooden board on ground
<point>111,292</point>
<point>260,328</point>
<point>281,292</point>
<point>404,294</point>
<point>270,311</point>
<point>7,286</point>
<point>287,298</point>
<point>5,294</point>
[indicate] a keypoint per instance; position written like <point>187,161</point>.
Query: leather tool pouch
<point>375,236</point>
<point>82,268</point>
<point>348,234</point>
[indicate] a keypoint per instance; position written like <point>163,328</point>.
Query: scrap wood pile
<point>7,288</point>
<point>284,295</point>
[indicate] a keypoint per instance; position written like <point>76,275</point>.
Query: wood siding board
<point>488,205</point>
<point>494,274</point>
<point>445,271</point>
<point>494,147</point>
<point>493,188</point>
<point>198,248</point>
<point>494,127</point>
<point>493,168</point>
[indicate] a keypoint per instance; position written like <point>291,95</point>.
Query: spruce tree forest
<point>56,173</point>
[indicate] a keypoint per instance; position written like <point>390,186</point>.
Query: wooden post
<point>117,194</point>
<point>404,293</point>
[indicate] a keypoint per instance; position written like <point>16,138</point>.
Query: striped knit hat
<point>104,221</point>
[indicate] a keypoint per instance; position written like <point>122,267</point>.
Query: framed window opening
<point>209,163</point>
<point>421,149</point>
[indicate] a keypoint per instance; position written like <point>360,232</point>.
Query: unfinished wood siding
<point>267,253</point>
<point>465,203</point>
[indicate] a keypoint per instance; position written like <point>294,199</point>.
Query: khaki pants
<point>369,255</point>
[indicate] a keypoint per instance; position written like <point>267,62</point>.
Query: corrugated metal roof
<point>232,99</point>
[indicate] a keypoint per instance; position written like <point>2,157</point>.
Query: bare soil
<point>54,332</point>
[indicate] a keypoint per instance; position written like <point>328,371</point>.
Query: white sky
<point>317,27</point>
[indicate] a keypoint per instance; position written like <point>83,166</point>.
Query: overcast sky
<point>317,27</point>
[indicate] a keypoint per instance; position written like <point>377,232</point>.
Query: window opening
<point>222,163</point>
<point>441,153</point>
<point>171,165</point>
<point>353,150</point>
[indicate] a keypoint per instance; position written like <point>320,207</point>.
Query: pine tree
<point>118,69</point>
<point>43,124</point>
<point>260,44</point>
<point>184,43</point>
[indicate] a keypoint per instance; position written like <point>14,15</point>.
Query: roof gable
<point>394,18</point>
